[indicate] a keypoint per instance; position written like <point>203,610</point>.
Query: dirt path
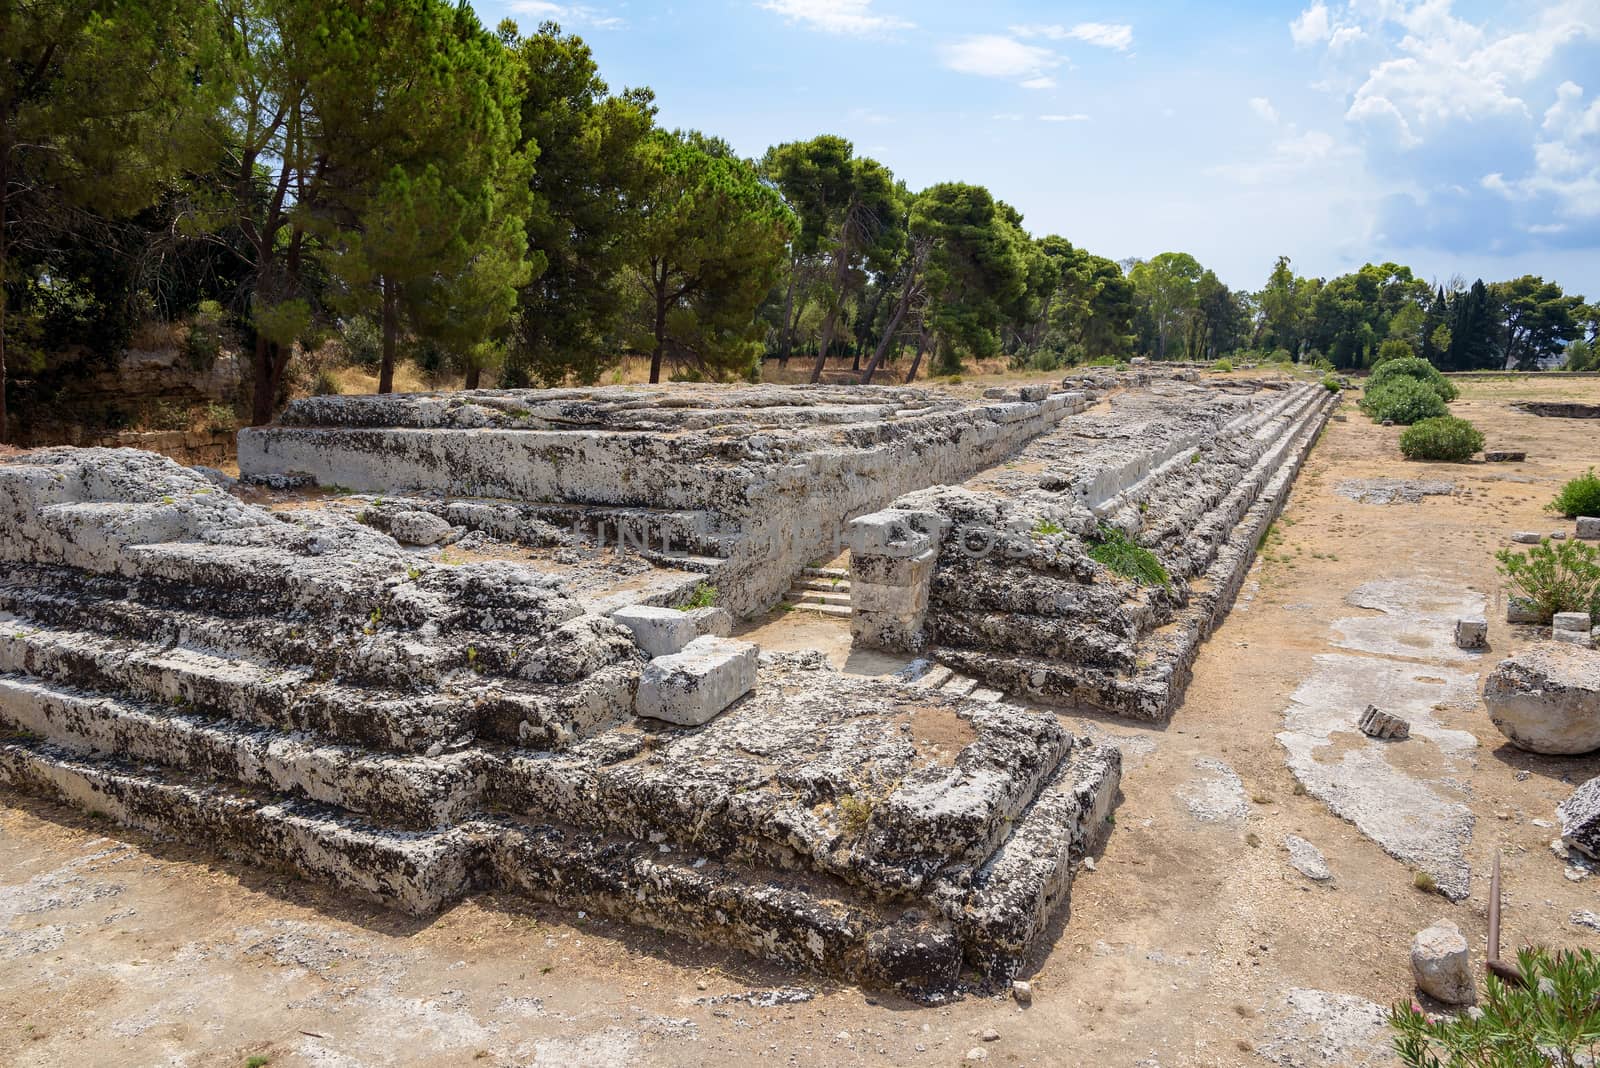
<point>1193,942</point>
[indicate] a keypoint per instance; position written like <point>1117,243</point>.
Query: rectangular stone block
<point>887,631</point>
<point>1578,622</point>
<point>894,532</point>
<point>658,631</point>
<point>1472,633</point>
<point>1519,610</point>
<point>692,687</point>
<point>1036,392</point>
<point>716,622</point>
<point>888,600</point>
<point>893,570</point>
<point>1572,637</point>
<point>1589,527</point>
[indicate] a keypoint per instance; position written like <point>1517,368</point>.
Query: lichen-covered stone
<point>1546,699</point>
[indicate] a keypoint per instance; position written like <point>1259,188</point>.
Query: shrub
<point>704,596</point>
<point>1581,496</point>
<point>1443,438</point>
<point>1222,365</point>
<point>1404,401</point>
<point>1413,367</point>
<point>204,342</point>
<point>325,384</point>
<point>1393,349</point>
<point>1331,384</point>
<point>1121,555</point>
<point>220,419</point>
<point>363,342</point>
<point>1553,1020</point>
<point>1555,576</point>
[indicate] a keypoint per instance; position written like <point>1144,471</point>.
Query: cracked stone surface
<point>1216,795</point>
<point>1315,1028</point>
<point>1393,490</point>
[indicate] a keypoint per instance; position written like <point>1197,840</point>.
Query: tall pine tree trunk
<point>4,179</point>
<point>474,376</point>
<point>660,329</point>
<point>841,266</point>
<point>391,330</point>
<point>786,335</point>
<point>922,347</point>
<point>265,390</point>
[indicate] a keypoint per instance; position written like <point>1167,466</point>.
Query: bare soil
<point>1183,943</point>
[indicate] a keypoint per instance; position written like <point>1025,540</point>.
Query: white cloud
<point>1043,81</point>
<point>1076,117</point>
<point>1312,26</point>
<point>1263,108</point>
<point>1113,35</point>
<point>836,16</point>
<point>994,56</point>
<point>1291,156</point>
<point>570,14</point>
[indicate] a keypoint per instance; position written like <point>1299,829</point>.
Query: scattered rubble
<point>1504,456</point>
<point>1580,819</point>
<point>1393,490</point>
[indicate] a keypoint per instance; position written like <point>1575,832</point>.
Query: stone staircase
<point>297,690</point>
<point>824,590</point>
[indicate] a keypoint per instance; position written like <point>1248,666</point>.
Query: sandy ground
<point>1193,942</point>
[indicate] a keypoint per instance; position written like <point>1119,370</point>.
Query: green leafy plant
<point>1581,496</point>
<point>1403,400</point>
<point>1442,438</point>
<point>1331,384</point>
<point>1119,554</point>
<point>1552,1021</point>
<point>704,596</point>
<point>1045,528</point>
<point>1555,576</point>
<point>854,815</point>
<point>1413,367</point>
<point>1223,364</point>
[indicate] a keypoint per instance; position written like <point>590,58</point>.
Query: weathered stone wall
<point>776,471</point>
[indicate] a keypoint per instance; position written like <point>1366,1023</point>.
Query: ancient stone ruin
<point>441,643</point>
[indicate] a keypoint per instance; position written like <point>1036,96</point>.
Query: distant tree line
<point>393,171</point>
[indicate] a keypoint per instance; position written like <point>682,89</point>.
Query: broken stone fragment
<point>658,631</point>
<point>1022,992</point>
<point>1472,633</point>
<point>1442,964</point>
<point>1526,537</point>
<point>1376,723</point>
<point>1589,527</point>
<point>1307,859</point>
<point>418,528</point>
<point>1572,637</point>
<point>1546,699</point>
<point>1580,818</point>
<point>1504,456</point>
<point>691,687</point>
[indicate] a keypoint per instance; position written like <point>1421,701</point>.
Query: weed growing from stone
<point>1581,496</point>
<point>1555,576</point>
<point>704,596</point>
<point>1115,551</point>
<point>1046,528</point>
<point>854,815</point>
<point>1553,1020</point>
<point>1425,882</point>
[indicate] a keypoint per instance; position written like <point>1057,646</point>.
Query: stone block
<point>1580,818</point>
<point>883,630</point>
<point>715,622</point>
<point>1519,610</point>
<point>893,570</point>
<point>894,532</point>
<point>658,631</point>
<point>418,528</point>
<point>1546,699</point>
<point>1579,638</point>
<point>889,600</point>
<point>1035,392</point>
<point>691,687</point>
<point>1526,537</point>
<point>1442,964</point>
<point>1504,456</point>
<point>1573,621</point>
<point>1589,527</point>
<point>1472,633</point>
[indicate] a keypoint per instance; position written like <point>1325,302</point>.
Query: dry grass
<point>154,335</point>
<point>408,378</point>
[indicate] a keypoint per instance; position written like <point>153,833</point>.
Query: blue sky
<point>1460,138</point>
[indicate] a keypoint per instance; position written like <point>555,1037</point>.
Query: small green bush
<point>1443,438</point>
<point>1331,384</point>
<point>704,596</point>
<point>363,341</point>
<point>220,419</point>
<point>1393,349</point>
<point>1581,496</point>
<point>1555,576</point>
<point>1404,401</point>
<point>1413,367</point>
<point>1223,364</point>
<point>1553,1020</point>
<point>325,384</point>
<point>1120,554</point>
